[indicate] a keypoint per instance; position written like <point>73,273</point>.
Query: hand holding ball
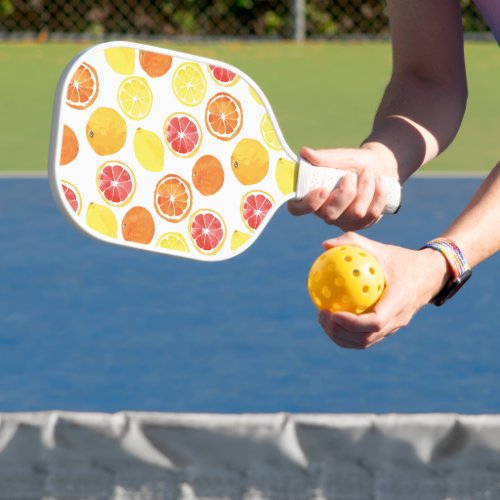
<point>346,278</point>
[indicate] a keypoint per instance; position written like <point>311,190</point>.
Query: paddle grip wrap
<point>312,177</point>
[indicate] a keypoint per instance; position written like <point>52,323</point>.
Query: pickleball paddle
<point>172,153</point>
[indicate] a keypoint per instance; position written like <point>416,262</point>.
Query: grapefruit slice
<point>224,116</point>
<point>173,198</point>
<point>72,196</point>
<point>115,183</point>
<point>183,134</point>
<point>207,231</point>
<point>255,206</point>
<point>83,87</point>
<point>223,76</point>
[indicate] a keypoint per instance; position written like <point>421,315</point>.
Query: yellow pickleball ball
<point>346,278</point>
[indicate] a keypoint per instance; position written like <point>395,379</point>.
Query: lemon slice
<point>135,97</point>
<point>173,241</point>
<point>269,134</point>
<point>189,84</point>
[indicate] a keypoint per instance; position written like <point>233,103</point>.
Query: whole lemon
<point>149,150</point>
<point>346,278</point>
<point>250,161</point>
<point>102,219</point>
<point>106,131</point>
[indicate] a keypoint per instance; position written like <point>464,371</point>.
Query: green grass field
<point>323,94</point>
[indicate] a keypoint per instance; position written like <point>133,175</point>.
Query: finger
<point>379,200</point>
<point>339,199</point>
<point>338,334</point>
<point>348,238</point>
<point>364,195</point>
<point>337,158</point>
<point>310,203</point>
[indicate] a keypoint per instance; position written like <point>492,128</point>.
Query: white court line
<point>453,174</point>
<point>23,175</point>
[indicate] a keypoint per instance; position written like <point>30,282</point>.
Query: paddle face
<point>166,152</point>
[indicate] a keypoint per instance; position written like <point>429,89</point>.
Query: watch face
<point>451,288</point>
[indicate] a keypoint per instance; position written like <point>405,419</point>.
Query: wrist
<point>388,165</point>
<point>437,273</point>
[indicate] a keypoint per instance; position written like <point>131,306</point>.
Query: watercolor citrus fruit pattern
<point>173,198</point>
<point>183,134</point>
<point>207,230</point>
<point>224,116</point>
<point>223,76</point>
<point>189,84</point>
<point>83,87</point>
<point>72,196</point>
<point>255,207</point>
<point>175,155</point>
<point>173,241</point>
<point>115,183</point>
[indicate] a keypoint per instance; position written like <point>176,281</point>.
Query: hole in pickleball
<point>360,309</point>
<point>366,289</point>
<point>362,254</point>
<point>356,273</point>
<point>346,299</point>
<point>316,276</point>
<point>327,293</point>
<point>372,271</point>
<point>379,288</point>
<point>339,281</point>
<point>330,268</point>
<point>348,258</point>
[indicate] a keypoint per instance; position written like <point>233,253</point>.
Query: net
<point>159,456</point>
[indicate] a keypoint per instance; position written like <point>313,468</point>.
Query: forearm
<point>424,102</point>
<point>416,121</point>
<point>477,230</point>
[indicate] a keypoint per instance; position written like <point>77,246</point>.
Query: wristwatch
<point>460,270</point>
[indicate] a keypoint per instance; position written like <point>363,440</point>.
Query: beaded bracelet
<point>459,267</point>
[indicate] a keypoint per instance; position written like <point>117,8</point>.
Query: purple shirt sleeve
<point>490,9</point>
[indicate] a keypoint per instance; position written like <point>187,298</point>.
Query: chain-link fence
<point>190,18</point>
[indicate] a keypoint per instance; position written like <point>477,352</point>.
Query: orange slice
<point>208,231</point>
<point>115,183</point>
<point>83,87</point>
<point>183,134</point>
<point>173,198</point>
<point>224,116</point>
<point>255,206</point>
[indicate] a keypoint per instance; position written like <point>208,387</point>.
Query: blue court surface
<point>87,326</point>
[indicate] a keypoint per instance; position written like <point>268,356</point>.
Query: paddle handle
<point>312,177</point>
